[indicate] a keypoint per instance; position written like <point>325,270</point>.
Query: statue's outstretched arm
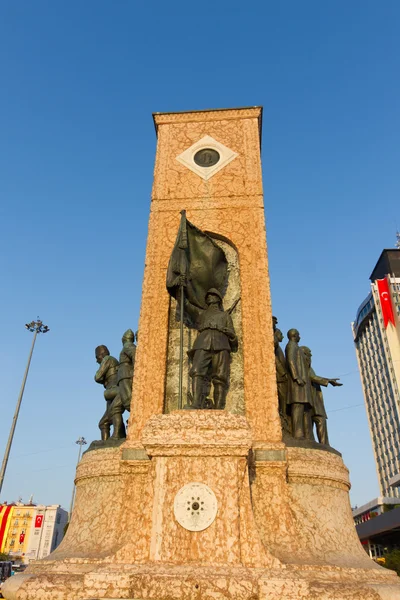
<point>319,380</point>
<point>325,381</point>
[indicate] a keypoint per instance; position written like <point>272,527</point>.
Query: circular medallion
<point>206,157</point>
<point>195,506</point>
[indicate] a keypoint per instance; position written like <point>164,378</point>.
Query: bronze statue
<point>299,392</point>
<point>198,265</point>
<point>126,368</point>
<point>211,352</point>
<point>281,372</point>
<point>107,374</point>
<point>117,380</point>
<point>318,413</point>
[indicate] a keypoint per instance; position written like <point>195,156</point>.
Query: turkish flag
<point>21,538</point>
<point>38,521</point>
<point>386,301</point>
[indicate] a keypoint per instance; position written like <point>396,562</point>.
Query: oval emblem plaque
<point>206,157</point>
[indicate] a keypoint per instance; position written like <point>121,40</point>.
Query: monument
<point>204,499</point>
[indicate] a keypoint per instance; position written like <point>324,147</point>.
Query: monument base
<point>283,529</point>
<point>172,582</point>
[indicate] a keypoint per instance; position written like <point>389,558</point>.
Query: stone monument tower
<point>208,504</point>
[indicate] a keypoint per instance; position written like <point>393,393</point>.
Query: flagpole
<point>181,352</point>
<point>183,269</point>
<point>36,327</point>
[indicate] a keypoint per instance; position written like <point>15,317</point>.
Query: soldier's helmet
<point>215,292</point>
<point>128,336</point>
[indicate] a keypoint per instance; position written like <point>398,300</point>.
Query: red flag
<point>386,301</point>
<point>38,521</point>
<point>21,538</point>
<point>3,522</point>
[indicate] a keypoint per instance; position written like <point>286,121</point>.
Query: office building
<point>378,526</point>
<point>376,337</point>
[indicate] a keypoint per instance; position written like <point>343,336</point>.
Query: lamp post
<point>35,327</point>
<point>81,442</point>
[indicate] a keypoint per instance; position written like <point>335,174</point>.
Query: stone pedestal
<point>286,535</point>
<point>283,528</point>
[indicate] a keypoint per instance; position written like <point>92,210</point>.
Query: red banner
<point>4,512</point>
<point>386,301</point>
<point>38,521</point>
<point>21,538</point>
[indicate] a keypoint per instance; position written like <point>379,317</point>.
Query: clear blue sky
<point>79,81</point>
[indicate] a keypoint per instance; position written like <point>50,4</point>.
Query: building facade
<point>29,532</point>
<point>376,334</point>
<point>377,525</point>
<point>374,508</point>
<point>18,530</point>
<point>47,531</point>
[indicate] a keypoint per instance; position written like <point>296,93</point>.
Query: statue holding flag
<point>212,349</point>
<point>196,277</point>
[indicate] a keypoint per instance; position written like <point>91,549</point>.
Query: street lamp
<point>36,327</point>
<point>81,442</point>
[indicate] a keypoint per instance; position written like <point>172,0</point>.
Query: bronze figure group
<point>116,377</point>
<point>301,403</point>
<point>197,277</point>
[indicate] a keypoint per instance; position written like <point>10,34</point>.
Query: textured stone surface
<point>303,512</point>
<point>197,433</point>
<point>229,205</point>
<point>101,522</point>
<point>292,537</point>
<point>207,447</point>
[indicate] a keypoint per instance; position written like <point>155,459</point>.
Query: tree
<point>4,556</point>
<point>392,561</point>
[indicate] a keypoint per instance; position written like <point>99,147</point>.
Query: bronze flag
<point>196,256</point>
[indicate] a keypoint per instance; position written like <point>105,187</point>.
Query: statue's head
<point>293,335</point>
<point>101,352</point>
<point>128,336</point>
<point>274,322</point>
<point>278,336</point>
<point>307,353</point>
<point>213,296</point>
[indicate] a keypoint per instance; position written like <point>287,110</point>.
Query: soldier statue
<point>299,392</point>
<point>281,373</point>
<point>318,413</point>
<point>211,352</point>
<point>107,374</point>
<point>126,368</point>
